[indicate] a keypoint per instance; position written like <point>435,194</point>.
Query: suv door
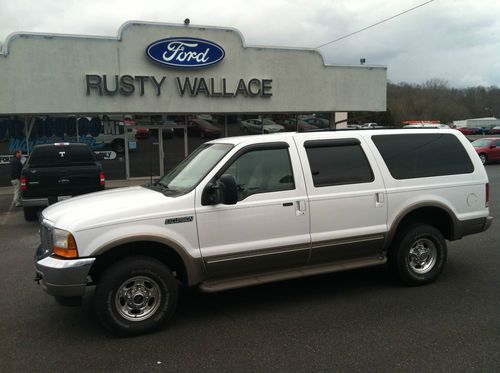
<point>346,198</point>
<point>268,228</point>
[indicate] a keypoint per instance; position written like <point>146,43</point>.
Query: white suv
<point>249,210</point>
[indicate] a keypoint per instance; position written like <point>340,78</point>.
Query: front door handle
<point>379,199</point>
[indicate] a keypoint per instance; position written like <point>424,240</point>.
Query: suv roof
<point>329,134</point>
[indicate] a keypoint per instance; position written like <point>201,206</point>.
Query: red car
<point>488,149</point>
<point>466,131</point>
<point>142,133</point>
<point>203,129</point>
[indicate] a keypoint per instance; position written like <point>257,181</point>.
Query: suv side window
<point>410,156</point>
<point>262,171</point>
<point>338,162</point>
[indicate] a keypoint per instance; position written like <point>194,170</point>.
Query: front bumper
<point>63,277</point>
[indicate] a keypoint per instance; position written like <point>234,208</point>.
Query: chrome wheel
<point>138,298</point>
<point>422,256</point>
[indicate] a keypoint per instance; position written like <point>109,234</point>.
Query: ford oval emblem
<point>187,53</point>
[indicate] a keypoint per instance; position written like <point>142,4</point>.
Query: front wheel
<point>418,255</point>
<point>135,296</point>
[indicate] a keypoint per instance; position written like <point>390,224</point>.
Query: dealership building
<point>146,98</point>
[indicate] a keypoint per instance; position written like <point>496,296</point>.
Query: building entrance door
<point>143,152</point>
<point>155,150</point>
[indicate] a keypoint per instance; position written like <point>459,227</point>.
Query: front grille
<point>46,239</point>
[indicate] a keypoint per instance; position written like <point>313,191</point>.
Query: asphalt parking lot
<point>360,320</point>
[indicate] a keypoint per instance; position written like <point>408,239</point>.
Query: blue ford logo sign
<point>185,53</point>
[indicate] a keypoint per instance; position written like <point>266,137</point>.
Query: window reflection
<point>155,142</point>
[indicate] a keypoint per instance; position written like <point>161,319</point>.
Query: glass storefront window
<point>202,128</point>
<point>153,143</point>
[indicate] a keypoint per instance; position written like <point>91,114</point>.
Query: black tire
<point>136,276</point>
<point>418,254</point>
<point>484,158</point>
<point>30,213</point>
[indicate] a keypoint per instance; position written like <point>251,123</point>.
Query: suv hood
<point>103,208</point>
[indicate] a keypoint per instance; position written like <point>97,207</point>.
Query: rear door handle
<point>63,181</point>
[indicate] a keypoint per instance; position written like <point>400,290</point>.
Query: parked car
<point>55,172</point>
<point>292,124</point>
<point>113,135</point>
<point>427,125</point>
<point>318,122</point>
<point>488,149</point>
<point>142,133</point>
<point>466,130</point>
<point>247,210</point>
<point>485,131</point>
<point>202,128</point>
<point>495,130</point>
<point>370,126</point>
<point>259,126</point>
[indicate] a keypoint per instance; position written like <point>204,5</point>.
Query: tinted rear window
<point>61,155</point>
<point>338,162</point>
<point>410,156</point>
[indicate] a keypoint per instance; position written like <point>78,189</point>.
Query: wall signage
<point>185,53</point>
<point>127,85</point>
<point>179,52</point>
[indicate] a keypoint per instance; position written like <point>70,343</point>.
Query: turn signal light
<point>67,252</point>
<point>23,183</point>
<point>102,179</point>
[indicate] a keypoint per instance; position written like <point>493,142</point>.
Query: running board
<point>212,286</point>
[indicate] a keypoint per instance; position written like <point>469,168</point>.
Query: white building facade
<point>151,95</point>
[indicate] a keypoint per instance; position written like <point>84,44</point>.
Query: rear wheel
<point>30,213</point>
<point>484,158</point>
<point>418,254</point>
<point>135,296</point>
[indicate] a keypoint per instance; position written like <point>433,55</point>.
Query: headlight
<point>64,244</point>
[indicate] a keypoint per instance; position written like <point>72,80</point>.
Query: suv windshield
<point>193,169</point>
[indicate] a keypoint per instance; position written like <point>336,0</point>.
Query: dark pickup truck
<point>55,172</point>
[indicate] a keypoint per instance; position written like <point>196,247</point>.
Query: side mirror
<point>228,189</point>
<point>493,146</point>
<point>222,191</point>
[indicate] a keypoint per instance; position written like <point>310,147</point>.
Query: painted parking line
<point>7,215</point>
